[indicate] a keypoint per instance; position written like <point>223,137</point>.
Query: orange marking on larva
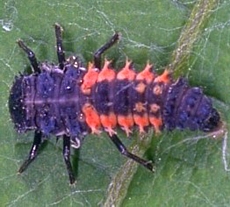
<point>126,122</point>
<point>146,74</point>
<point>157,123</point>
<point>154,108</point>
<point>109,122</point>
<point>140,107</point>
<point>92,118</point>
<point>140,87</point>
<point>89,79</point>
<point>106,73</point>
<point>157,90</point>
<point>164,77</point>
<point>141,121</point>
<point>126,72</point>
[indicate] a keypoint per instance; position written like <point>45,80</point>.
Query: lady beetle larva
<point>69,101</point>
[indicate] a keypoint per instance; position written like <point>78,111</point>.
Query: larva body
<point>71,100</point>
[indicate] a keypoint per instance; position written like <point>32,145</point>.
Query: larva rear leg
<point>103,48</point>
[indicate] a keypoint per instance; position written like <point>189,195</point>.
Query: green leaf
<point>189,165</point>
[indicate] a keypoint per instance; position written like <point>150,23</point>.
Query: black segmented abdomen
<point>187,107</point>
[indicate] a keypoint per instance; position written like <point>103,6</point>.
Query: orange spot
<point>126,122</point>
<point>109,122</point>
<point>164,77</point>
<point>146,74</point>
<point>157,90</point>
<point>154,108</point>
<point>126,72</point>
<point>139,107</point>
<point>141,121</point>
<point>157,123</point>
<point>89,79</point>
<point>106,73</point>
<point>92,118</point>
<point>140,87</point>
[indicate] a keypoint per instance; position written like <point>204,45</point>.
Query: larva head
<point>16,105</point>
